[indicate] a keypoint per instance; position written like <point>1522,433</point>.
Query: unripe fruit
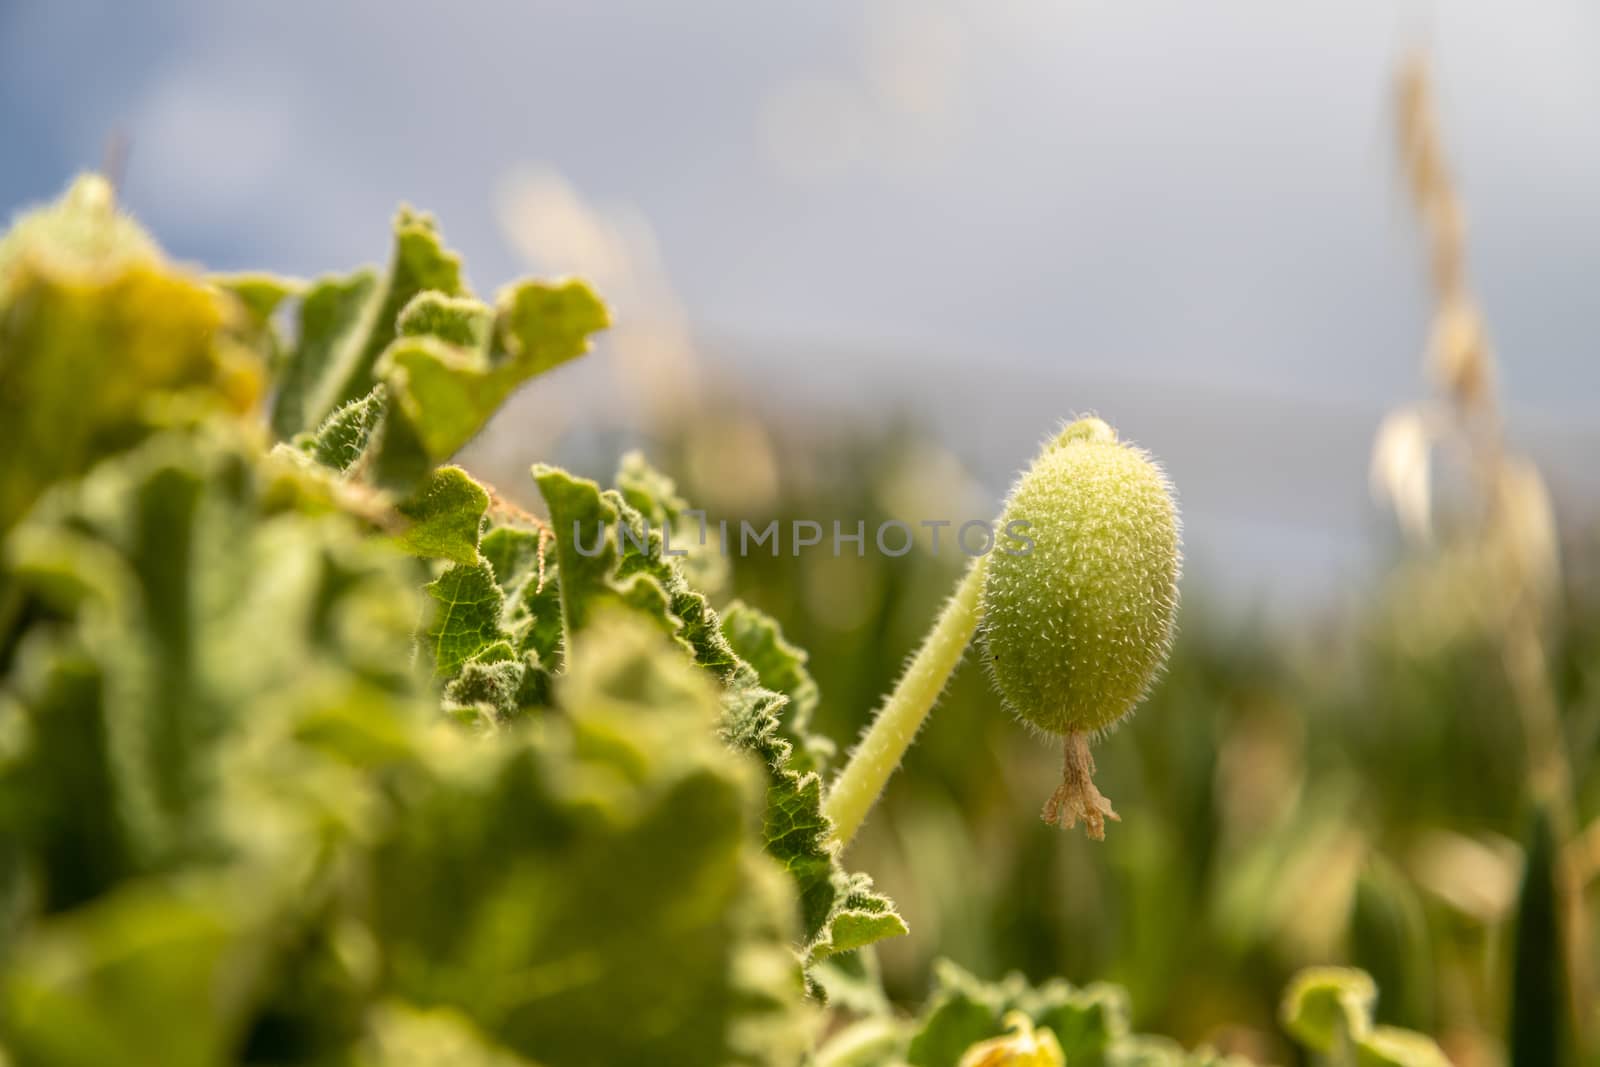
<point>1077,628</point>
<point>1076,616</point>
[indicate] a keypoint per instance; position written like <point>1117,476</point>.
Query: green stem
<point>896,725</point>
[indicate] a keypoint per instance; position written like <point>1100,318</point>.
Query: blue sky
<point>997,212</point>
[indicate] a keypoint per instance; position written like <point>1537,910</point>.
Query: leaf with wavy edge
<point>446,515</point>
<point>347,322</point>
<point>839,910</point>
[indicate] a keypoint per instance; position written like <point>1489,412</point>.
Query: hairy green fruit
<point>1077,627</point>
<point>1076,614</point>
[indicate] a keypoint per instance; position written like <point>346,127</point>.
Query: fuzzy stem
<point>897,722</point>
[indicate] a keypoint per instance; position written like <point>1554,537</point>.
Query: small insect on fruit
<point>1077,628</point>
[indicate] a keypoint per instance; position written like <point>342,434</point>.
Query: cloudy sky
<point>1182,214</point>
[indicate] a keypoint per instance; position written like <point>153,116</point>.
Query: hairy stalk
<point>897,722</point>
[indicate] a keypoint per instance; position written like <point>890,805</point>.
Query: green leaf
<point>781,666</point>
<point>1087,1022</point>
<point>420,264</point>
<point>426,363</point>
<point>110,983</point>
<point>259,294</point>
<point>592,567</point>
<point>62,793</point>
<point>516,555</point>
<point>840,911</point>
<point>140,688</point>
<point>531,586</point>
<point>699,555</point>
<point>80,233</point>
<point>446,513</point>
<point>346,323</point>
<point>648,491</point>
<point>621,559</point>
<point>1325,1006</point>
<point>961,1012</point>
<point>541,326</point>
<point>1329,1011</point>
<point>1389,940</point>
<point>96,331</point>
<point>331,315</point>
<point>496,630</point>
<point>598,537</point>
<point>445,392</point>
<point>549,877</point>
<point>447,384</point>
<point>857,918</point>
<point>444,377</point>
<point>253,300</point>
<point>466,617</point>
<point>532,616</point>
<point>460,321</point>
<point>349,435</point>
<point>1090,1025</point>
<point>490,686</point>
<point>1540,1031</point>
<point>756,638</point>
